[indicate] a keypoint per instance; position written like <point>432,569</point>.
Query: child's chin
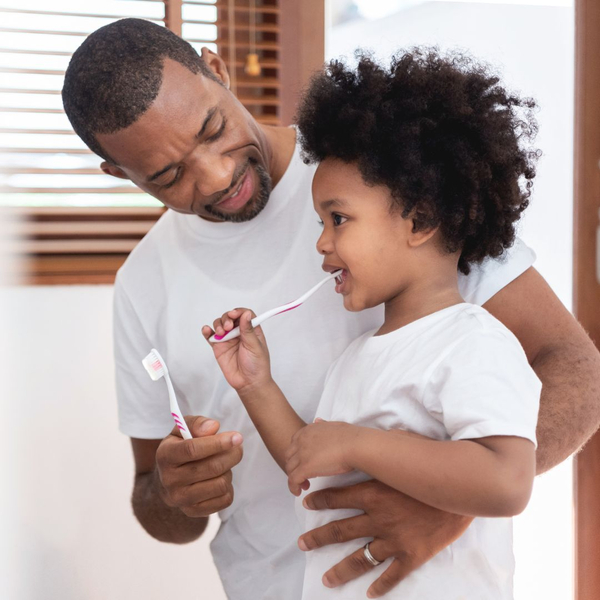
<point>351,306</point>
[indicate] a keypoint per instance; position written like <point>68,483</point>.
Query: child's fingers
<point>247,330</point>
<point>207,332</point>
<point>229,318</point>
<point>218,327</point>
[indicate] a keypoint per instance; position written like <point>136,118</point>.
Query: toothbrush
<point>235,332</point>
<point>157,368</point>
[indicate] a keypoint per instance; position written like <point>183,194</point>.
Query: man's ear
<point>216,64</point>
<point>113,170</point>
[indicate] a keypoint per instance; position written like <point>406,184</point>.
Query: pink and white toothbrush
<point>157,368</point>
<point>235,332</point>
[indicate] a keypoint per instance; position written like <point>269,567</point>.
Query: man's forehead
<point>142,146</point>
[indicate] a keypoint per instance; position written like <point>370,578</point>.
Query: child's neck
<point>419,299</point>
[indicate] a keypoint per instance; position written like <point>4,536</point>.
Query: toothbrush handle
<point>176,412</point>
<point>235,332</point>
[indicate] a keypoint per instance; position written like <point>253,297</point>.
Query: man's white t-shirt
<point>185,273</point>
<point>456,374</point>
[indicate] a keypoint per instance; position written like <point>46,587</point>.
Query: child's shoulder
<point>474,320</point>
<point>475,331</point>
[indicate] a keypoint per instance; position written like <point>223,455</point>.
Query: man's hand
<point>195,475</point>
<point>402,527</point>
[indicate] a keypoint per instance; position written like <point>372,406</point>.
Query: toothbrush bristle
<point>154,366</point>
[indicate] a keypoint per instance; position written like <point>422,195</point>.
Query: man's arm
<point>568,365</point>
<point>178,483</point>
<point>565,360</point>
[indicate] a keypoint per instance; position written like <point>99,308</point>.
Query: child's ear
<point>420,233</point>
<point>418,238</point>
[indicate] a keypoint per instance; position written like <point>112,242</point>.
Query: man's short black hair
<point>439,132</point>
<point>116,74</point>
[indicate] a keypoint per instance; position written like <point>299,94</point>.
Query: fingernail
<point>371,594</point>
<point>207,425</point>
<point>236,439</point>
<point>306,505</point>
<point>326,582</point>
<point>302,545</point>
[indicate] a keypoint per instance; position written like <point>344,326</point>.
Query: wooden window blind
<point>40,154</point>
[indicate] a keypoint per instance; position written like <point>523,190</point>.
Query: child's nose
<point>324,244</point>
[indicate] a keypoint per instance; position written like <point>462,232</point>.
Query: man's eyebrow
<point>209,115</point>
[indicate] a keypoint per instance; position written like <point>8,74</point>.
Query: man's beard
<point>255,205</point>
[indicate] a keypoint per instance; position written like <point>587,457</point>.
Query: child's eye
<point>321,223</point>
<point>338,219</point>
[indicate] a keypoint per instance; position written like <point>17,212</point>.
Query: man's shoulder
<point>139,264</point>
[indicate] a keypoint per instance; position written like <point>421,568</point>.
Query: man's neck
<point>281,142</point>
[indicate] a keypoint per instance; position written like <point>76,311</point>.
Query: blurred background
<point>68,530</point>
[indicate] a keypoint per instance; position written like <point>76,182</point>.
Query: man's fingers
<point>198,426</point>
<point>202,447</point>
<point>213,466</point>
<point>208,497</point>
<point>390,578</point>
<point>335,532</point>
<point>202,426</point>
<point>352,566</point>
<point>352,496</point>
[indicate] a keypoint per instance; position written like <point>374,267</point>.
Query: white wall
<point>533,48</point>
<point>67,528</point>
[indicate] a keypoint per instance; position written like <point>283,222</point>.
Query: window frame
<point>61,246</point>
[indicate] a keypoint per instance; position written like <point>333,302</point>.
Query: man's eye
<point>338,219</point>
<point>175,179</point>
<point>217,135</point>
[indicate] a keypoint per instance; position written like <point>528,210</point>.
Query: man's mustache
<point>234,182</point>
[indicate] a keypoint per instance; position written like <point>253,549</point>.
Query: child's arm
<point>487,477</point>
<point>246,366</point>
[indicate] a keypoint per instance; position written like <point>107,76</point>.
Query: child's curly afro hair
<point>439,132</point>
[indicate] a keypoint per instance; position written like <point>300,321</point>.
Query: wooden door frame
<point>586,288</point>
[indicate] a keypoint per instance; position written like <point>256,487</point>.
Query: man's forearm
<point>570,402</point>
<point>163,522</point>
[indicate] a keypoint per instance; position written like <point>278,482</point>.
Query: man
<point>242,232</point>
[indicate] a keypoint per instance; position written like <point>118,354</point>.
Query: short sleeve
<point>143,403</point>
<point>487,279</point>
<point>483,386</point>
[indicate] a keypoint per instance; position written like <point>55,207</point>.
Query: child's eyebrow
<point>333,202</point>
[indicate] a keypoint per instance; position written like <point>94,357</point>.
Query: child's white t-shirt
<point>453,375</point>
<point>187,272</point>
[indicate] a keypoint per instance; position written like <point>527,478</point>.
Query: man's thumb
<point>202,426</point>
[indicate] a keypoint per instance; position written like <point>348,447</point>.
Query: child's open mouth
<point>340,280</point>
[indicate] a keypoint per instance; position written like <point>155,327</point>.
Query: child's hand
<point>319,449</point>
<point>245,359</point>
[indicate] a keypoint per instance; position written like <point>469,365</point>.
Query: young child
<point>421,175</point>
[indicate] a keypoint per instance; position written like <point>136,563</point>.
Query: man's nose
<point>213,173</point>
